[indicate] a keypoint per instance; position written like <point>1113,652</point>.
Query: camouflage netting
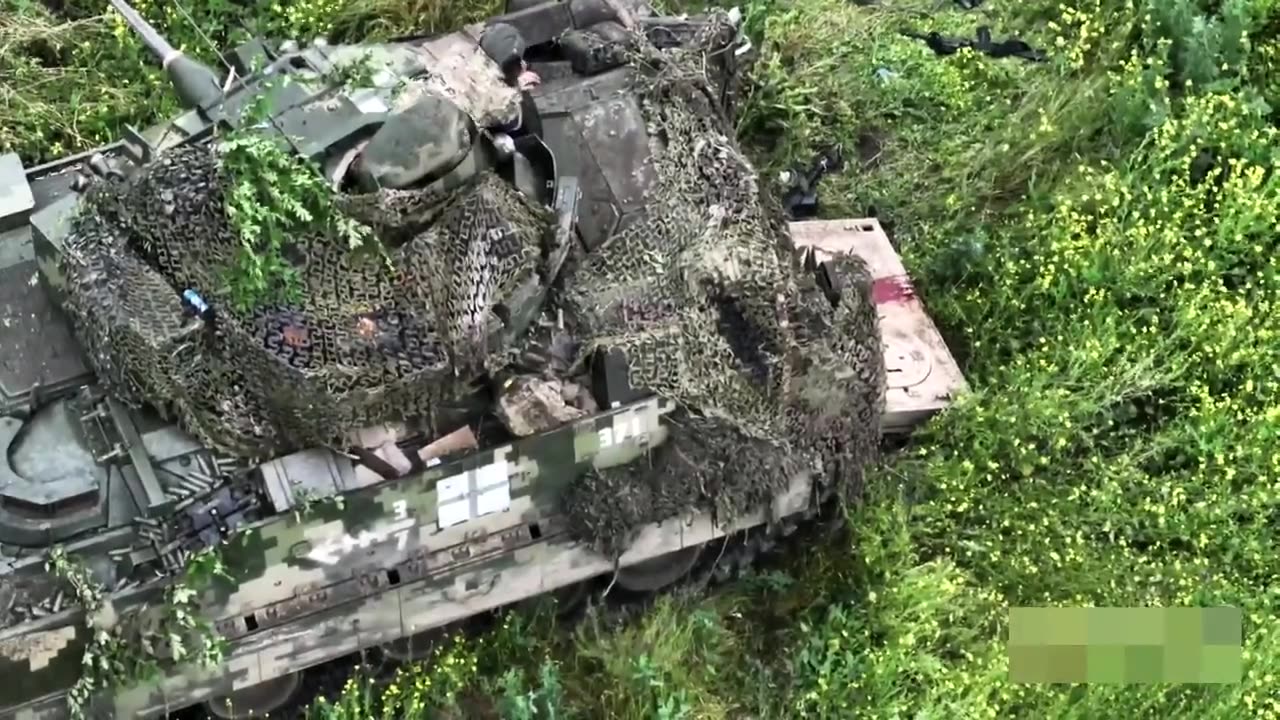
<point>366,344</point>
<point>705,295</point>
<point>714,309</point>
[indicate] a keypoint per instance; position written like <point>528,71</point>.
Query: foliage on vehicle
<point>274,196</point>
<point>131,649</point>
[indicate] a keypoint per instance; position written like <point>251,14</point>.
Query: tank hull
<point>382,568</point>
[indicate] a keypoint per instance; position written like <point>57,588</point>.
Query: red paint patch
<point>895,288</point>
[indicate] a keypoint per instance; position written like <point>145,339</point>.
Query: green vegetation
<point>275,195</point>
<point>1096,234</point>
<point>131,650</point>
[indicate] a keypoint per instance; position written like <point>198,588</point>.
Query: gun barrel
<point>195,83</point>
<point>155,42</point>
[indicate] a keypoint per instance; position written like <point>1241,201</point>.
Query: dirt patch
<point>869,148</point>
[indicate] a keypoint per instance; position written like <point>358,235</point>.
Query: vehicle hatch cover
<point>36,344</point>
<point>907,362</point>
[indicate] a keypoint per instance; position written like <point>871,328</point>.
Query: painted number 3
<point>401,508</point>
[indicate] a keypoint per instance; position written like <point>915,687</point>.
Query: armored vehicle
<point>371,339</point>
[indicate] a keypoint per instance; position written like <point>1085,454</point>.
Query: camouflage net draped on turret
<point>373,338</point>
<point>704,294</point>
<point>714,309</point>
